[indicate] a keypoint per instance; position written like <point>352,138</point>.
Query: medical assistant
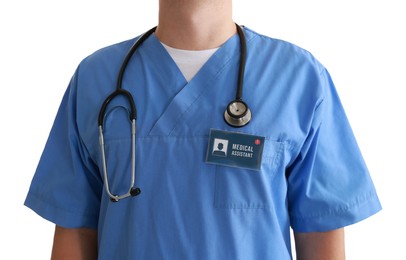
<point>312,175</point>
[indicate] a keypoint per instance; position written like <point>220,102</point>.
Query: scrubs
<point>312,176</point>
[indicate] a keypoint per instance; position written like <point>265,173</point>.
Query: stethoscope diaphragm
<point>237,113</point>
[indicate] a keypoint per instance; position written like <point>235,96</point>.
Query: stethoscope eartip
<point>135,191</point>
<point>114,199</point>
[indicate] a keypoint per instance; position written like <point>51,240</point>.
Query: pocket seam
<point>228,202</point>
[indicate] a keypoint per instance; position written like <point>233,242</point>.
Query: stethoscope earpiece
<point>114,198</point>
<point>135,192</point>
<point>237,113</point>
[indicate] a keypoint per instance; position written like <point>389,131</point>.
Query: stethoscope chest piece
<point>237,113</point>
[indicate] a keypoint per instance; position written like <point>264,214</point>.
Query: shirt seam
<point>46,203</point>
<point>339,211</point>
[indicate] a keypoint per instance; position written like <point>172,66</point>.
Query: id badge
<point>235,149</point>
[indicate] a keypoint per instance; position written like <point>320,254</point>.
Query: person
<point>219,151</point>
<point>312,177</point>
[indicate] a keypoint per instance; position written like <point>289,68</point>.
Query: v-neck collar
<point>164,63</point>
<point>161,61</point>
<point>188,92</point>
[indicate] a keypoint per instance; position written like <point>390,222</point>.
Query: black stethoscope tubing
<point>237,113</point>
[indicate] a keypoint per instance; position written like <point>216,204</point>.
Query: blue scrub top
<point>312,175</point>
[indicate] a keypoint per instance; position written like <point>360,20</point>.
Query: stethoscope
<point>237,113</point>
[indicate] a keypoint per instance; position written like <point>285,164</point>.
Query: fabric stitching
<point>339,210</point>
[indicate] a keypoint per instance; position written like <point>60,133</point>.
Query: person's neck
<point>195,24</point>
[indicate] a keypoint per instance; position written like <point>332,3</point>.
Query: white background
<point>362,43</point>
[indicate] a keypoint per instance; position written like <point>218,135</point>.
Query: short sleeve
<point>329,183</point>
<point>66,187</point>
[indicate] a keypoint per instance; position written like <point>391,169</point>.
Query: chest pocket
<point>237,188</point>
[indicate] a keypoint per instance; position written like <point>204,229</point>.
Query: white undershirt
<point>189,62</point>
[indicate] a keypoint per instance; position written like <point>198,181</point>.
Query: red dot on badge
<point>257,142</point>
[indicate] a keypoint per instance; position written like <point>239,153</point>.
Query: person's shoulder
<point>268,46</point>
<point>113,49</point>
<point>108,55</point>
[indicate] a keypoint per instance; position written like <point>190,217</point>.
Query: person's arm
<point>74,243</point>
<point>328,245</point>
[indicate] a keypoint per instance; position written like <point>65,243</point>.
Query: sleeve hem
<point>59,216</point>
<point>338,220</point>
